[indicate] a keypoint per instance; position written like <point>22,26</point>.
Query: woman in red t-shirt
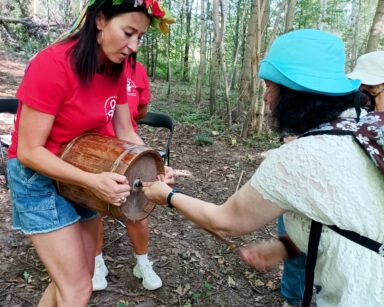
<point>72,87</point>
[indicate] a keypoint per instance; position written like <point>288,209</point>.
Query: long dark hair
<point>84,53</point>
<point>299,112</point>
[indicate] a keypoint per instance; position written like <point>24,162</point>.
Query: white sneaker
<point>99,282</point>
<point>151,281</point>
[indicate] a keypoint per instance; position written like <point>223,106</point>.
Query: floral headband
<point>161,17</point>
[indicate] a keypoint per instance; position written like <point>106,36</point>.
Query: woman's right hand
<point>110,187</point>
<point>263,255</point>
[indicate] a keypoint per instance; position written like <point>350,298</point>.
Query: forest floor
<point>196,269</point>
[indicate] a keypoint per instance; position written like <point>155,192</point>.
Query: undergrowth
<point>181,106</point>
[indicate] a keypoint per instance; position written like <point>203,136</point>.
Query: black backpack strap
<point>363,241</point>
<point>330,132</point>
<point>313,246</point>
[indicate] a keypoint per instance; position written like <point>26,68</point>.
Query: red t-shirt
<point>138,92</point>
<point>51,86</point>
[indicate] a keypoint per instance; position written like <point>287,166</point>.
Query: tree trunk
<point>256,30</point>
<point>187,41</point>
<point>34,8</point>
<point>237,45</point>
<point>181,34</point>
<point>249,55</point>
<point>290,16</point>
<point>169,66</point>
<point>215,56</point>
<point>259,123</point>
<point>353,50</point>
<point>203,53</point>
<point>222,60</point>
<point>377,28</point>
<point>322,25</point>
<point>156,53</point>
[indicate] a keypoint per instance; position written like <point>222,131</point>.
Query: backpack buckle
<point>381,250</point>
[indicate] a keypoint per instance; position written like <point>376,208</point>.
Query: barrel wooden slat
<point>96,153</point>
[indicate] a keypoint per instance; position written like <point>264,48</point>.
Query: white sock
<point>142,259</point>
<point>99,257</point>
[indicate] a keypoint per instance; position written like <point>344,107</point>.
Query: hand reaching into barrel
<point>110,187</point>
<point>156,192</point>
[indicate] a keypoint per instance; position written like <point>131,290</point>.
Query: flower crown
<point>161,17</point>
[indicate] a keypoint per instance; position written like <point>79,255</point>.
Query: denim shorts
<point>36,205</point>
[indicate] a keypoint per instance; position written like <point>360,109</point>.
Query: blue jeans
<point>36,205</point>
<point>292,283</point>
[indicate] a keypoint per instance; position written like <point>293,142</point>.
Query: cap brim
<point>308,83</point>
<point>366,78</point>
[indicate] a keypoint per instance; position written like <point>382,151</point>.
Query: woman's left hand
<point>156,192</point>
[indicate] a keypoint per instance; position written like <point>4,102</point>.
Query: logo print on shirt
<point>109,107</point>
<point>131,86</point>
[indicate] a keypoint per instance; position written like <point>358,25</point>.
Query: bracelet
<point>290,247</point>
<point>169,197</point>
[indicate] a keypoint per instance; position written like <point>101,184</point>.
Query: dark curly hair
<point>298,112</point>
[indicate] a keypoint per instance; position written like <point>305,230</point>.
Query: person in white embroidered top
<point>326,178</point>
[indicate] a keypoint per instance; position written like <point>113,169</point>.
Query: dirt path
<point>196,270</point>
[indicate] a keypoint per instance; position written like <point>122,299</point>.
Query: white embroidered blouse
<point>330,179</point>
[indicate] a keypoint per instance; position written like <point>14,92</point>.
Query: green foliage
<point>263,141</point>
<point>27,277</point>
<point>203,139</point>
<point>32,46</point>
<point>203,293</point>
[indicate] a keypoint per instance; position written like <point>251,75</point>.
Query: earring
<point>100,37</point>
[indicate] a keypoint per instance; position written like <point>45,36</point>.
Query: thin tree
<point>259,123</point>
<point>169,66</point>
<point>203,52</point>
<point>237,44</point>
<point>249,84</point>
<point>188,7</point>
<point>222,59</point>
<point>290,15</point>
<point>322,25</point>
<point>215,56</point>
<point>377,28</point>
<point>249,56</point>
<point>353,50</point>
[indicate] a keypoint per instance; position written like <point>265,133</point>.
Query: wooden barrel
<point>96,154</point>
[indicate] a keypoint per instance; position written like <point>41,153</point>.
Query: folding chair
<point>7,105</point>
<point>160,120</point>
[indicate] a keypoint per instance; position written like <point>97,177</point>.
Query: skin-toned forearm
<point>43,161</point>
<point>131,137</point>
<point>205,214</point>
<point>242,213</point>
<point>122,125</point>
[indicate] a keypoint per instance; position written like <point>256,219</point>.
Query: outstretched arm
<point>244,212</point>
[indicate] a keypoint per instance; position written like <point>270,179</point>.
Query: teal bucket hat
<point>309,61</point>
